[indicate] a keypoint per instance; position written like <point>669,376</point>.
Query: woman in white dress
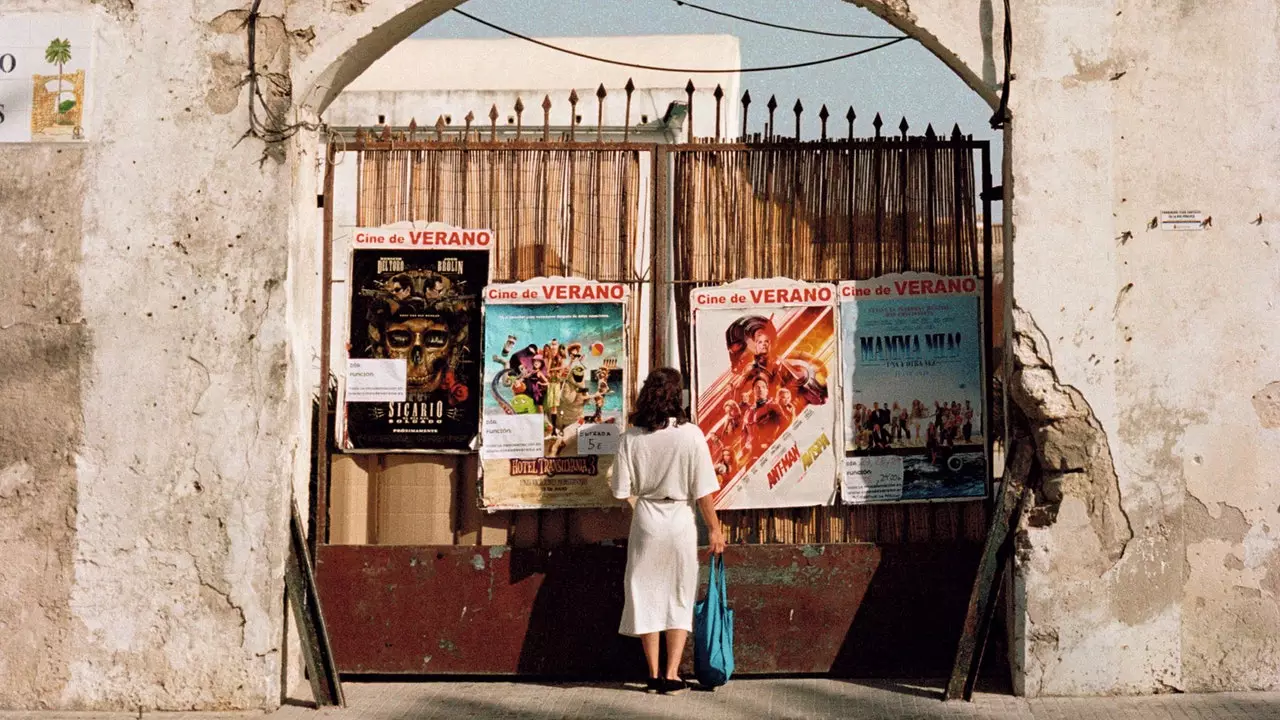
<point>664,469</point>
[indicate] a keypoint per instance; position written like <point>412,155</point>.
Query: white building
<point>410,83</point>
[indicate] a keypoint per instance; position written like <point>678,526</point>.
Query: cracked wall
<point>1170,337</point>
<point>43,343</point>
<point>159,323</point>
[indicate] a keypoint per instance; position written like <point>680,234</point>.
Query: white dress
<point>666,471</point>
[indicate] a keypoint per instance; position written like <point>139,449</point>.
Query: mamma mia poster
<point>911,353</point>
<point>412,380</point>
<point>765,360</point>
<point>554,392</point>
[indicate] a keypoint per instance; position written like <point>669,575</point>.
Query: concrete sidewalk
<point>764,698</point>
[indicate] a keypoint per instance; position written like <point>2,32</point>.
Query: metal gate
<point>867,590</point>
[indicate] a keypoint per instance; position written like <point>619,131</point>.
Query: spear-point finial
<point>688,91</point>
<point>771,105</point>
<point>493,123</point>
<point>466,132</point>
<point>413,127</point>
<point>386,133</point>
<point>439,127</point>
<point>519,116</point>
<point>746,103</point>
<point>546,117</point>
<point>797,109</point>
<point>955,132</point>
<point>600,94</point>
<point>929,133</point>
<point>573,113</point>
<point>823,114</point>
<point>630,87</point>
<point>877,124</point>
<point>903,127</point>
<point>851,116</point>
<point>718,94</point>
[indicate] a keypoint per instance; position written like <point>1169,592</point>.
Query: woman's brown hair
<point>659,400</point>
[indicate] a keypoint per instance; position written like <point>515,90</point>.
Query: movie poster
<point>555,392</point>
<point>912,361</point>
<point>412,380</point>
<point>765,354</point>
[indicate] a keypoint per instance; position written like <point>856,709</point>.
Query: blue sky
<point>904,79</point>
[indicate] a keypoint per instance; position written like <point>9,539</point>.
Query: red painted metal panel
<point>853,610</point>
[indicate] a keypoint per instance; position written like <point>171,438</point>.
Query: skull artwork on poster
<point>419,316</point>
<point>425,345</point>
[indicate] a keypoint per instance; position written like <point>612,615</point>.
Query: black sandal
<point>673,687</point>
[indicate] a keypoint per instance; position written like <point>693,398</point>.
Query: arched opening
<point>332,71</point>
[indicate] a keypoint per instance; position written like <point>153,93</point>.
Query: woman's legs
<point>675,651</point>
<point>650,643</point>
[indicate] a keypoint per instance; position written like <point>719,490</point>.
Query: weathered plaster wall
<point>148,430</point>
<point>1121,111</point>
<point>43,345</point>
<point>158,337</point>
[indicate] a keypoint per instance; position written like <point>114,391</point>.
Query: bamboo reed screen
<point>823,213</point>
<point>553,211</point>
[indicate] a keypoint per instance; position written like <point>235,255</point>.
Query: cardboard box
<point>417,500</point>
<point>470,516</point>
<point>596,525</point>
<point>554,528</point>
<point>524,528</point>
<point>349,499</point>
<point>495,528</point>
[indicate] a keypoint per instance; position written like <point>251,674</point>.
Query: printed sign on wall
<point>412,380</point>
<point>555,392</point>
<point>44,77</point>
<point>911,352</point>
<point>765,360</point>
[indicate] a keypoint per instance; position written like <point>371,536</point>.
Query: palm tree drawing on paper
<point>59,53</point>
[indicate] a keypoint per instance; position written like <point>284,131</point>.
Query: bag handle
<point>713,579</point>
<point>717,580</point>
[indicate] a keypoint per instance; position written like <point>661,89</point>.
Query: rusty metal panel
<point>857,610</point>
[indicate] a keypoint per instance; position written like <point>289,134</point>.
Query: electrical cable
<point>784,27</point>
<point>686,71</point>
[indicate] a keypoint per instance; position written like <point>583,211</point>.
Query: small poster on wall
<point>555,386</point>
<point>765,354</point>
<point>412,375</point>
<point>911,352</point>
<point>45,62</point>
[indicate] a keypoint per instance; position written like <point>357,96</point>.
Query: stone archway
<point>958,32</point>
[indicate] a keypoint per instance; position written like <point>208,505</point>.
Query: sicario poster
<point>765,376</point>
<point>555,391</point>
<point>911,351</point>
<point>412,380</point>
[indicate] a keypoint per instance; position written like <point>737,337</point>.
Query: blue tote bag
<point>713,631</point>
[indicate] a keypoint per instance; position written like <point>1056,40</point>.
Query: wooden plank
<point>322,670</point>
<point>986,583</point>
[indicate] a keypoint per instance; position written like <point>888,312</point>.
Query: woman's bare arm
<point>715,533</point>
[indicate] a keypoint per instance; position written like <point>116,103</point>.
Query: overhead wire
<point>685,71</point>
<point>790,28</point>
